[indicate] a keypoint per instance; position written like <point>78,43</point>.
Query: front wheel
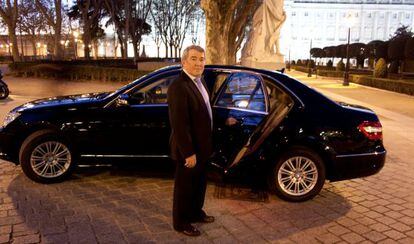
<point>46,158</point>
<point>297,176</point>
<point>4,91</point>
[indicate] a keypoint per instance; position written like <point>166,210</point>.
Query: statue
<point>262,47</point>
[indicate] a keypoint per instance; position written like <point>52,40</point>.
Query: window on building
<point>293,13</point>
<point>380,33</point>
<point>367,33</point>
<point>355,34</point>
<point>369,15</point>
<point>394,15</point>
<point>330,33</point>
<point>407,16</point>
<point>343,32</point>
<point>306,14</point>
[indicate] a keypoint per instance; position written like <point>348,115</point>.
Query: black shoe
<point>190,230</point>
<point>205,219</point>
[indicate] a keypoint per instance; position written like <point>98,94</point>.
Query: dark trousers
<point>189,192</point>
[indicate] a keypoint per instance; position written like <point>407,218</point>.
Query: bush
<point>293,62</point>
<point>340,66</point>
<point>380,70</point>
<point>329,64</point>
<point>299,63</point>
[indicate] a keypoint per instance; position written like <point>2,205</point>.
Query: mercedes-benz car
<point>286,133</point>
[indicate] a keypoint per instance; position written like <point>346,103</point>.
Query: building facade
<point>321,23</point>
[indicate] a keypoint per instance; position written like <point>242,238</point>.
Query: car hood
<point>62,101</point>
<point>355,107</point>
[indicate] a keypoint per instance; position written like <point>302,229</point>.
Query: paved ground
<point>110,205</point>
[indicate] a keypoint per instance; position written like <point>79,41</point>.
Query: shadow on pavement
<point>124,204</point>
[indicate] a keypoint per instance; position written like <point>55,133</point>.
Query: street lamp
<point>349,21</point>
<point>310,48</point>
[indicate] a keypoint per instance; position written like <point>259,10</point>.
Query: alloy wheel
<point>297,176</point>
<point>50,159</point>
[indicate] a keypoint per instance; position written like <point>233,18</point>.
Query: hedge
<point>75,72</point>
<point>401,86</point>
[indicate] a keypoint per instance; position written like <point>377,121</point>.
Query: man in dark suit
<point>191,141</point>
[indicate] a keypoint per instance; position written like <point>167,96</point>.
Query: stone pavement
<point>114,205</point>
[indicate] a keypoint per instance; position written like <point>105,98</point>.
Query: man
<point>191,141</point>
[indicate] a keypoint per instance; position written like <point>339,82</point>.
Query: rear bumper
<point>6,147</point>
<point>357,165</point>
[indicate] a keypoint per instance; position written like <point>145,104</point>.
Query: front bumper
<point>7,151</point>
<point>357,165</point>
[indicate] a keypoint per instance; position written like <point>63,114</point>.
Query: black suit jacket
<point>189,119</point>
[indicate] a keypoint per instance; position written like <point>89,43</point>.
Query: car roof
<point>303,92</point>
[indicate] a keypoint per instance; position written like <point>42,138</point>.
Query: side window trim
<point>262,85</point>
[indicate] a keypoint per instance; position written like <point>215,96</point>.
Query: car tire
<point>298,175</point>
<point>4,91</point>
<point>46,158</point>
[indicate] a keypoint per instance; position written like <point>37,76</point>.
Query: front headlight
<point>10,117</point>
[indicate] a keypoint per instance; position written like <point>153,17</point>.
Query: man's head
<point>193,60</point>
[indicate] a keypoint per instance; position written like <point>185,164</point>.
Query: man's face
<point>194,63</point>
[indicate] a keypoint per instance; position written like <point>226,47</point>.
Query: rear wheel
<point>46,158</point>
<point>297,176</point>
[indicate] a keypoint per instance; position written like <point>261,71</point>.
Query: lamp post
<point>310,55</point>
<point>349,23</point>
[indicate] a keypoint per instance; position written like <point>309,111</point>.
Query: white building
<point>324,23</point>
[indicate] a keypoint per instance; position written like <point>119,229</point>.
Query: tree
<point>137,16</point>
<point>30,22</point>
<point>183,14</point>
<point>372,47</point>
<point>114,9</point>
<point>409,49</point>
<point>226,22</point>
<point>89,12</point>
<point>396,47</point>
<point>162,17</point>
<point>9,14</point>
<point>172,20</point>
<point>358,51</point>
<point>53,15</point>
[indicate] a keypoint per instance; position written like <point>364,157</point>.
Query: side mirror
<point>123,100</point>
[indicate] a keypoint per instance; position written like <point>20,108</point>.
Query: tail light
<point>372,130</point>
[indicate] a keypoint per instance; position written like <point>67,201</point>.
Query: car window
<point>276,95</point>
<point>243,90</point>
<point>154,93</point>
<point>220,78</point>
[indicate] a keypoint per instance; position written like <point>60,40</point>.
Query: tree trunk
<point>171,51</point>
<point>166,50</point>
<point>95,48</point>
<point>86,41</point>
<point>216,33</point>
<point>13,41</point>
<point>34,48</point>
<point>136,52</point>
<point>58,30</point>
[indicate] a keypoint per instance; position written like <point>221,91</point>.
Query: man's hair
<point>184,55</point>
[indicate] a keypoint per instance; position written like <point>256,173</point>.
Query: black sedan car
<point>286,133</point>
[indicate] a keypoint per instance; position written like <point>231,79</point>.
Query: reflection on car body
<point>286,133</point>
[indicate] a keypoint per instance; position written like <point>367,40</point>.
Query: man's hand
<point>191,161</point>
<point>230,121</point>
